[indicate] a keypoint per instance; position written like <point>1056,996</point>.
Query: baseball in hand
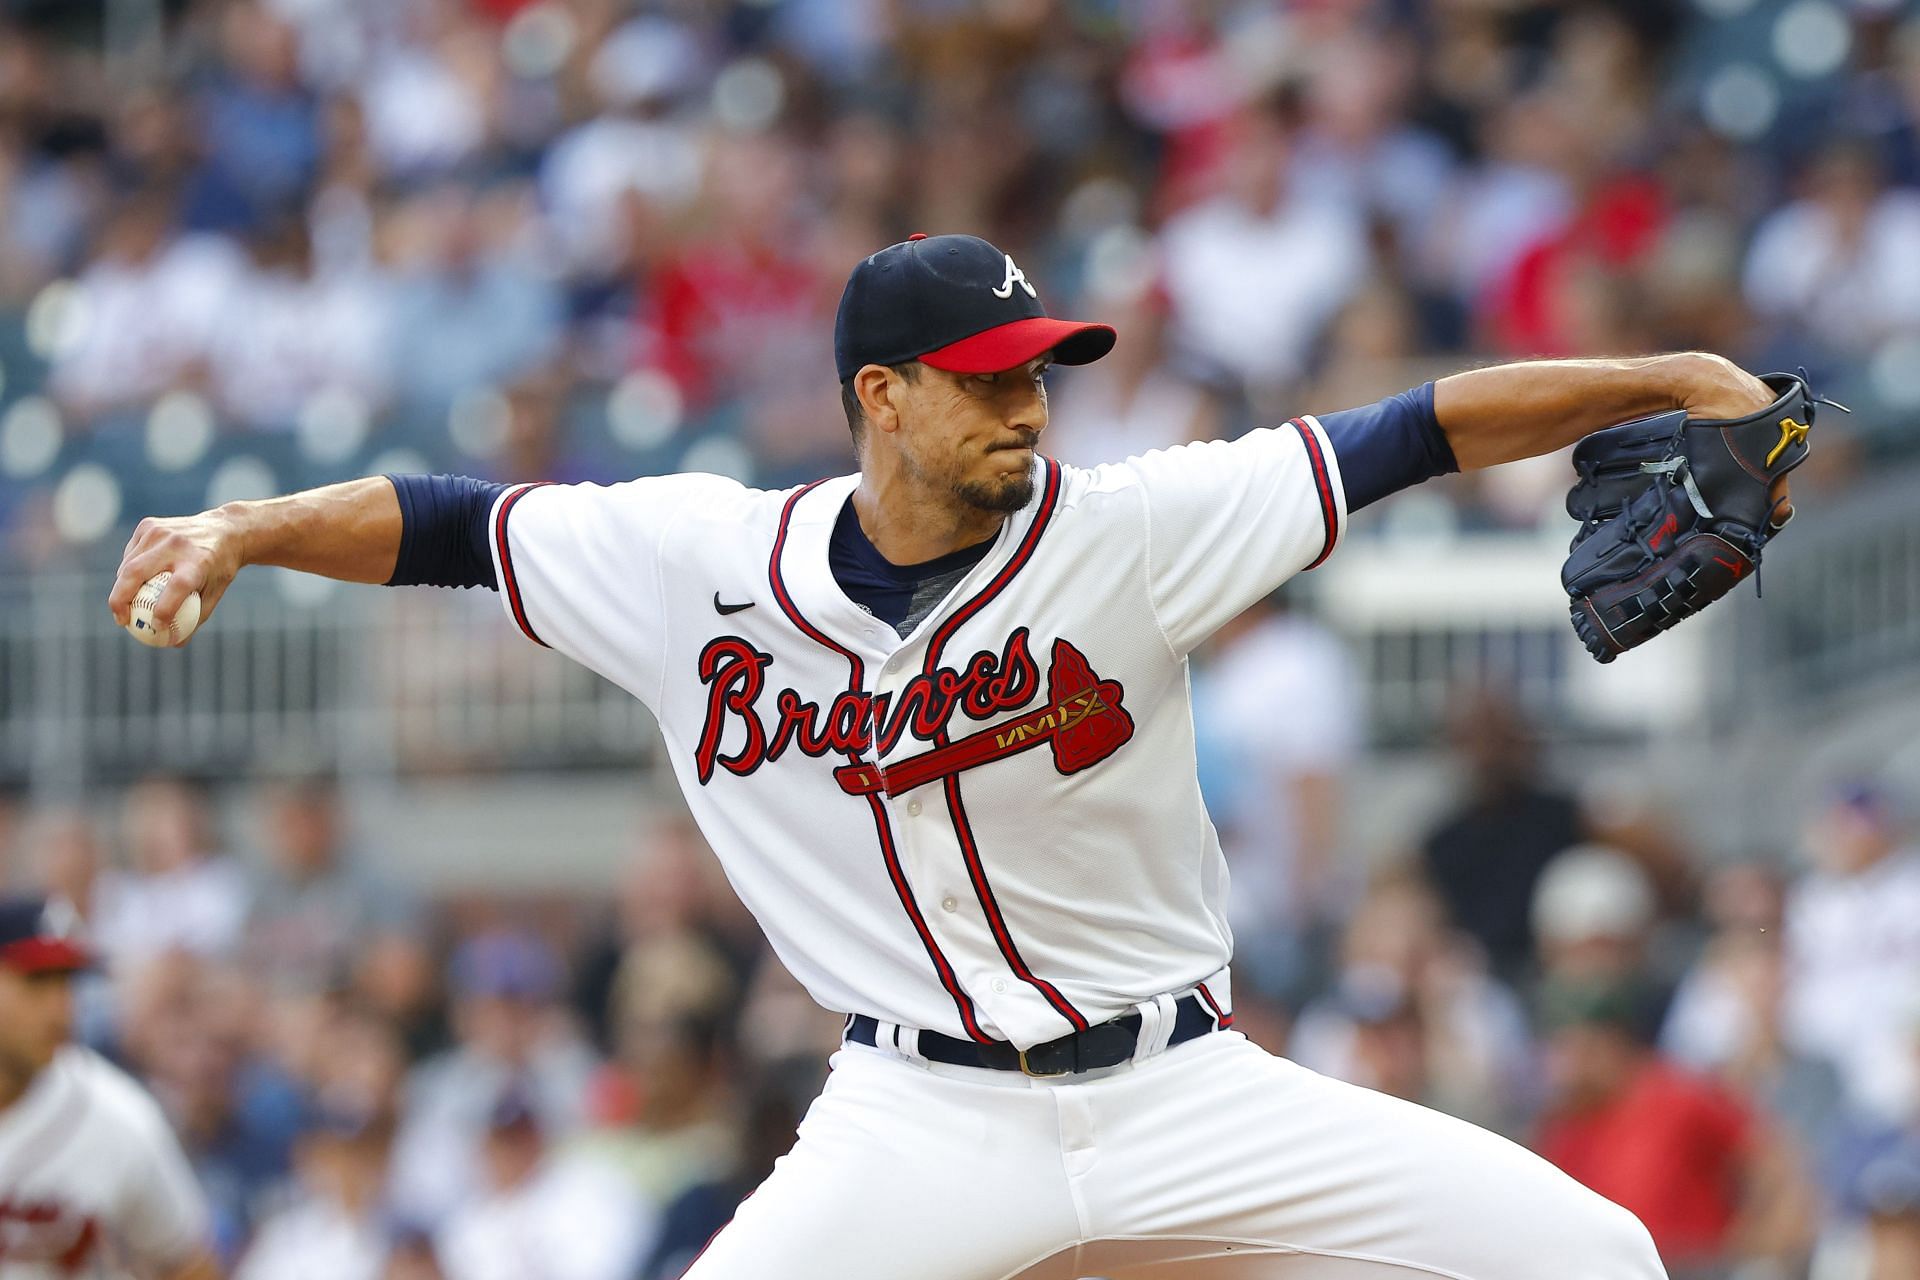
<point>141,625</point>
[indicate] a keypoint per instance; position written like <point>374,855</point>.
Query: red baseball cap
<point>956,303</point>
<point>42,935</point>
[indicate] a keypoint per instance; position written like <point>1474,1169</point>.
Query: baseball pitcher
<point>933,718</point>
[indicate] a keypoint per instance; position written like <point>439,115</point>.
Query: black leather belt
<point>1107,1045</point>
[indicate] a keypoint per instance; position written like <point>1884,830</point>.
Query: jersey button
<point>949,903</point>
<point>999,986</point>
<point>913,808</point>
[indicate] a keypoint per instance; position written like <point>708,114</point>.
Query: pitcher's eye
<point>987,379</point>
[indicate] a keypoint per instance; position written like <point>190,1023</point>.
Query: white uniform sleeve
<point>1228,521</point>
<point>580,569</point>
<point>163,1216</point>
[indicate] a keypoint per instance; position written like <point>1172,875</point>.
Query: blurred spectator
<point>1709,1018</point>
<point>314,907</point>
<point>1360,149</point>
<point>1853,951</point>
<point>1256,272</point>
<point>472,306</point>
<point>151,303</point>
<point>1513,199</point>
<point>307,332</point>
<point>1370,349</point>
<point>333,1229</point>
<point>742,313</point>
<point>1685,1155</point>
<point>1145,400</point>
<point>64,860</point>
<point>560,1217</point>
<point>178,891</point>
<point>1727,1019</point>
<point>509,1029</point>
<point>156,144</point>
<point>672,896</point>
<point>1593,911</point>
<point>667,1119</point>
<point>1889,1192</point>
<point>664,1116</point>
<point>47,206</point>
<point>1414,1013</point>
<point>427,90</point>
<point>1840,266</point>
<point>259,123</point>
<point>1277,718</point>
<point>188,1030</point>
<point>336,1219</point>
<point>1486,857</point>
<point>637,147</point>
<point>411,1257</point>
<point>702,1210</point>
<point>394,976</point>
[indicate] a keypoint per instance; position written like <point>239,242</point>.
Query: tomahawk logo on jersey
<point>991,828</point>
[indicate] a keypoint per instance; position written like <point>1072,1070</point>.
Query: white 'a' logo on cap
<point>1014,276</point>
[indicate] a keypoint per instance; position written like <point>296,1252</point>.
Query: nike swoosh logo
<point>724,609</point>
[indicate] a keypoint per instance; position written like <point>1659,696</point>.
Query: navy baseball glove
<point>1674,512</point>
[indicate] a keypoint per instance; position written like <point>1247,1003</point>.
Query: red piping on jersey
<point>1329,509</point>
<point>1224,1019</point>
<point>509,583</point>
<point>888,853</point>
<point>969,850</point>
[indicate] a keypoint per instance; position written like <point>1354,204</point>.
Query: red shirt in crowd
<point>1671,1147</point>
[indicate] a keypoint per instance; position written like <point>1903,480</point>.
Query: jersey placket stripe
<point>508,579</point>
<point>1329,510</point>
<point>882,829</point>
<point>962,828</point>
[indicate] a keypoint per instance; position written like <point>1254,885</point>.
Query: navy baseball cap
<point>41,935</point>
<point>956,303</point>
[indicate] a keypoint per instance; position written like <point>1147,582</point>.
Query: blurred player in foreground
<point>92,1181</point>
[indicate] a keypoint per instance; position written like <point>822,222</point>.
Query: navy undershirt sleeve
<point>443,531</point>
<point>1389,445</point>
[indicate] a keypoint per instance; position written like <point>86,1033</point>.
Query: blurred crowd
<point>252,244</point>
<point>377,1084</point>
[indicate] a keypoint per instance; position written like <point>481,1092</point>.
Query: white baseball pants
<point>1212,1161</point>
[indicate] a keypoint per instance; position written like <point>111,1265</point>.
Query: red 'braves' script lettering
<point>735,674</point>
<point>47,1233</point>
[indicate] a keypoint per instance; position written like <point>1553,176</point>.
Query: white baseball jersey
<point>991,828</point>
<point>91,1178</point>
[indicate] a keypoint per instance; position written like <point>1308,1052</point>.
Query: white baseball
<point>141,625</point>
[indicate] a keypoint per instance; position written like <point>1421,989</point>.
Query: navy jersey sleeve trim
<point>443,532</point>
<point>1387,446</point>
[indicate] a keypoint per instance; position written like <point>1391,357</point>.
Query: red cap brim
<point>1010,345</point>
<point>45,955</point>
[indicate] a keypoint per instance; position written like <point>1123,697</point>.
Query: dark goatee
<point>1005,496</point>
